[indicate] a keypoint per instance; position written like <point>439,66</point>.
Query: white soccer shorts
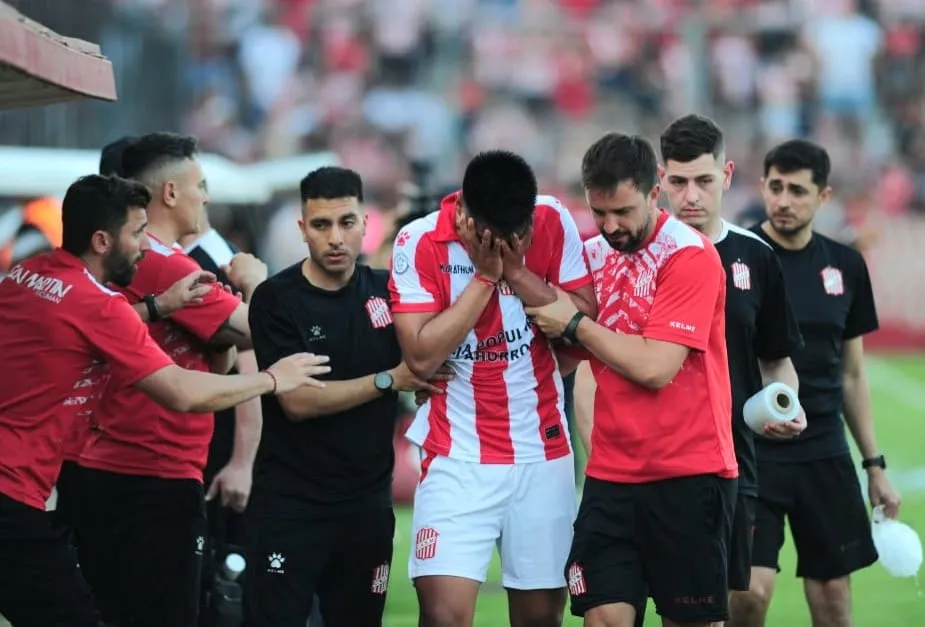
<point>463,510</point>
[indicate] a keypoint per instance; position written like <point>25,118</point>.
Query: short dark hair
<point>617,158</point>
<point>330,182</point>
<point>98,203</point>
<point>149,153</point>
<point>690,137</point>
<point>111,156</point>
<point>800,154</point>
<point>499,189</point>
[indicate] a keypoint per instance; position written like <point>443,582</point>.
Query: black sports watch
<point>568,335</point>
<point>383,382</point>
<point>154,314</point>
<point>874,462</point>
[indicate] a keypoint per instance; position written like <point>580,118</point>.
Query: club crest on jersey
<point>379,313</point>
<point>741,276</point>
<point>832,281</point>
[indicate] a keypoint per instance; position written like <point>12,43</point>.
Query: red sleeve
<point>123,341</point>
<point>201,319</point>
<point>568,267</point>
<point>687,290</point>
<point>413,278</point>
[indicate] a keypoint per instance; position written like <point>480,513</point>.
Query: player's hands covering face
<point>482,248</point>
<point>554,317</point>
<point>513,252</point>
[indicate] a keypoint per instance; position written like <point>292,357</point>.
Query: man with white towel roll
<point>812,481</point>
<point>761,327</point>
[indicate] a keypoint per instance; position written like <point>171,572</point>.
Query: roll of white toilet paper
<point>775,403</point>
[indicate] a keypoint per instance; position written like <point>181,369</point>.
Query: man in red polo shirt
<point>145,539</point>
<point>497,464</point>
<point>657,506</point>
<point>57,319</point>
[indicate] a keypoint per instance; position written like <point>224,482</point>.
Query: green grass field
<point>898,387</point>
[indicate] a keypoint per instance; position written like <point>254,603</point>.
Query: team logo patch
<point>276,561</point>
<point>643,285</point>
<point>425,543</point>
<point>505,289</point>
<point>379,313</point>
<point>832,281</point>
<point>741,276</point>
<point>576,580</point>
<point>401,263</point>
<point>402,239</point>
<point>380,583</point>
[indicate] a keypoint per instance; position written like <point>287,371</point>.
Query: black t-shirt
<point>830,291</point>
<point>211,252</point>
<point>760,324</point>
<point>328,465</point>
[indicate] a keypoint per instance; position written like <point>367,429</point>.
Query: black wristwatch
<point>874,462</point>
<point>568,336</point>
<point>383,382</point>
<point>154,314</point>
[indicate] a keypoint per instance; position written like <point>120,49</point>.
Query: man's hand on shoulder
<point>188,290</point>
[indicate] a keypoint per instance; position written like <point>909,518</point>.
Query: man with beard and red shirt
<point>656,511</point>
<point>57,318</point>
<point>143,478</point>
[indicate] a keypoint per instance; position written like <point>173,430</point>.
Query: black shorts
<point>740,543</point>
<point>149,536</point>
<point>40,583</point>
<point>665,539</point>
<point>827,514</point>
<point>344,561</point>
<point>69,498</point>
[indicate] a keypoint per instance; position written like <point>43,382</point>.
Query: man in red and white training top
<point>656,510</point>
<point>57,319</point>
<point>144,543</point>
<point>497,462</point>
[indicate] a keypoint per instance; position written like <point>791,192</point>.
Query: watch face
<point>383,381</point>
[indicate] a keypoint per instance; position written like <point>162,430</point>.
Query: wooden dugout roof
<point>40,67</point>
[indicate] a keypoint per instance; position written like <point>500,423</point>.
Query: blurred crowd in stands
<point>406,90</point>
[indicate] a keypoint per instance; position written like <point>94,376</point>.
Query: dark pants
<point>149,537</point>
<point>40,583</point>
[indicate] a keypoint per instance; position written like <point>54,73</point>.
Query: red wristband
<point>485,280</point>
<point>275,382</point>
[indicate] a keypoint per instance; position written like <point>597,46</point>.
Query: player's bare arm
<point>188,290</point>
<point>234,481</point>
<point>583,395</point>
<point>650,363</point>
<point>427,339</point>
<point>245,272</point>
<point>338,396</point>
<point>860,421</point>
<point>529,287</point>
<point>191,391</point>
<point>222,360</point>
<point>782,370</point>
<point>234,331</point>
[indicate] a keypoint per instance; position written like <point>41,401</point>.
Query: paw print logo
<point>402,238</point>
<point>276,560</point>
<point>316,330</point>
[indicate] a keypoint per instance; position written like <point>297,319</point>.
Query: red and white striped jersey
<point>506,403</point>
